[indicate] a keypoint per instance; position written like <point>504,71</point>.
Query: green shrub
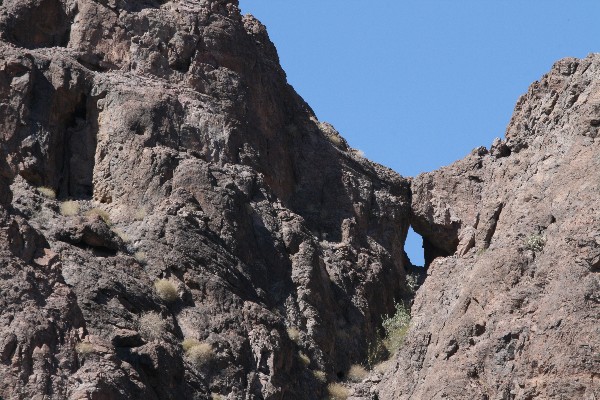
<point>535,242</point>
<point>395,328</point>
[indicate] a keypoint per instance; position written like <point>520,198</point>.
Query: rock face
<point>178,154</point>
<point>177,224</point>
<point>514,312</point>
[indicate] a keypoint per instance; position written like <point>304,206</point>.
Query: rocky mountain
<point>177,224</point>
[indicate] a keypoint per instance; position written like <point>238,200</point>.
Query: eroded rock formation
<point>179,155</point>
<point>178,152</point>
<point>514,313</point>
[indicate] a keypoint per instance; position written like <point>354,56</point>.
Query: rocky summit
<point>175,223</point>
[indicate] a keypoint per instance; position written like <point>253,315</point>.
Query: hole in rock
<point>413,246</point>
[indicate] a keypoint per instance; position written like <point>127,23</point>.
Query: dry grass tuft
<point>293,334</point>
<point>216,396</point>
<point>304,358</point>
<point>101,213</point>
<point>337,391</point>
<point>357,373</point>
<point>152,326</point>
<point>321,376</point>
<point>200,353</point>
<point>47,192</point>
<point>84,348</point>
<point>166,290</point>
<point>140,214</point>
<point>69,208</point>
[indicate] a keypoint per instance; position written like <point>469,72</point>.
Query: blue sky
<point>417,84</point>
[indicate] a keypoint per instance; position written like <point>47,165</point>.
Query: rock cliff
<point>177,224</point>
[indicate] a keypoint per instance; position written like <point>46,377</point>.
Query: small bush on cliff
<point>69,208</point>
<point>152,326</point>
<point>200,353</point>
<point>337,391</point>
<point>294,334</point>
<point>395,328</point>
<point>166,290</point>
<point>535,242</point>
<point>357,373</point>
<point>47,192</point>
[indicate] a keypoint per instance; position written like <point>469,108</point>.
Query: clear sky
<point>417,84</point>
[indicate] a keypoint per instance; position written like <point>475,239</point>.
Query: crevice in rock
<point>76,166</point>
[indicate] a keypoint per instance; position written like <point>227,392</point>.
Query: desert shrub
<point>321,376</point>
<point>152,326</point>
<point>47,192</point>
<point>395,328</point>
<point>200,353</point>
<point>166,290</point>
<point>84,348</point>
<point>293,334</point>
<point>535,242</point>
<point>357,373</point>
<point>188,343</point>
<point>140,214</point>
<point>337,391</point>
<point>304,358</point>
<point>101,213</point>
<point>69,208</point>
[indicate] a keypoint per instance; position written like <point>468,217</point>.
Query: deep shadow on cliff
<point>177,224</point>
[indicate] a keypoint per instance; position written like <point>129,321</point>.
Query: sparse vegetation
<point>47,192</point>
<point>124,237</point>
<point>69,208</point>
<point>337,391</point>
<point>535,242</point>
<point>166,290</point>
<point>84,348</point>
<point>200,353</point>
<point>293,334</point>
<point>188,343</point>
<point>390,341</point>
<point>357,373</point>
<point>152,326</point>
<point>304,358</point>
<point>395,328</point>
<point>321,376</point>
<point>99,212</point>
<point>140,214</point>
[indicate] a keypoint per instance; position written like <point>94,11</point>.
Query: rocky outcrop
<point>178,154</point>
<point>177,224</point>
<point>512,310</point>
